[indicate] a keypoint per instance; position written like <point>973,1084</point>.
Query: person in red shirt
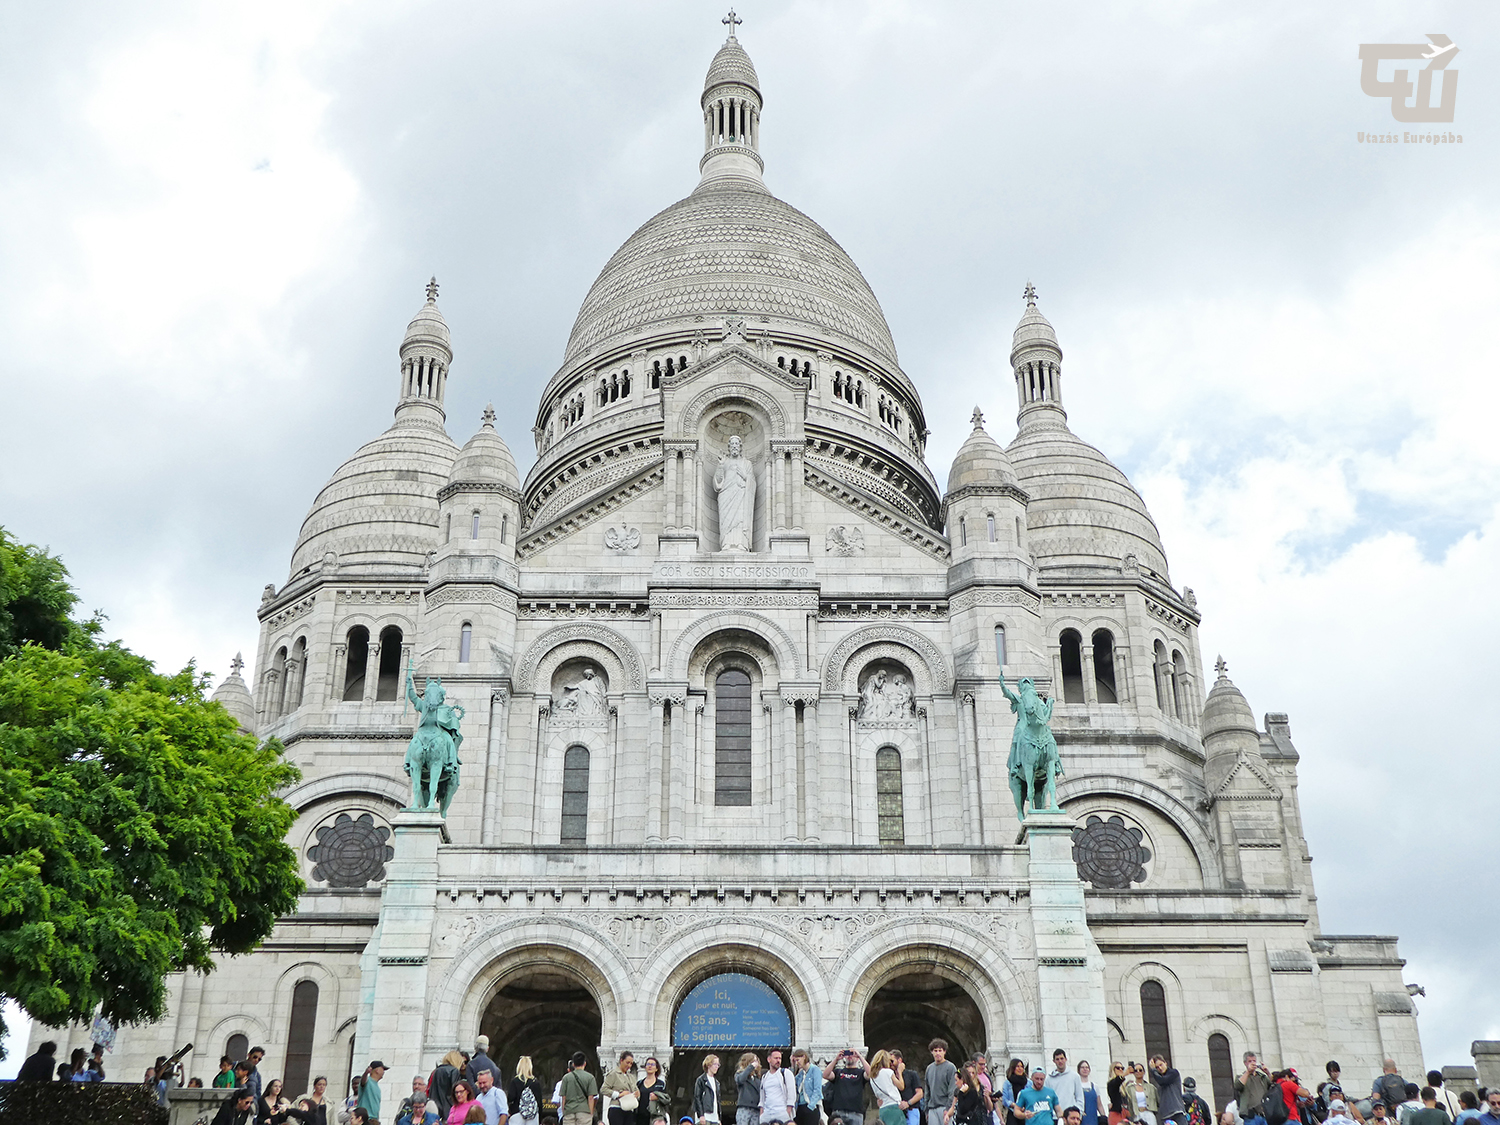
<point>1291,1090</point>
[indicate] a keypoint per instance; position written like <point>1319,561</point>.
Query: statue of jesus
<point>734,481</point>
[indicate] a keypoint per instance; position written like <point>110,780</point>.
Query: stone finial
<point>432,288</point>
<point>1030,295</point>
<point>732,21</point>
<point>1221,668</point>
<point>977,418</point>
<point>236,664</point>
<point>488,417</point>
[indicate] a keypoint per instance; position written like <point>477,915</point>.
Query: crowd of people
<point>467,1088</point>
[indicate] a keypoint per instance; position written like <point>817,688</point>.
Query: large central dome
<point>730,247</point>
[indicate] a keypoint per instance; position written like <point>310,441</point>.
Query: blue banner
<point>732,1010</point>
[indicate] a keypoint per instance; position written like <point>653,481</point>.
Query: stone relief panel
<point>844,539</point>
<point>886,693</point>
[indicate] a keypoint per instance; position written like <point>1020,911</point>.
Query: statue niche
<point>886,694</point>
<point>734,485</point>
<point>580,693</point>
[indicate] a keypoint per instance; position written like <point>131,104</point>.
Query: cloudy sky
<point>215,221</point>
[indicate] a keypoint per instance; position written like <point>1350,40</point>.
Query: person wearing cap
<point>369,1090</point>
<point>481,1061</point>
<point>1291,1089</point>
<point>1197,1110</point>
<point>1338,1113</point>
<point>1037,1103</point>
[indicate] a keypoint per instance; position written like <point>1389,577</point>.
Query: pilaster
<point>1070,968</point>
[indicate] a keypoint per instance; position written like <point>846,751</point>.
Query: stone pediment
<point>1247,780</point>
<point>726,356</point>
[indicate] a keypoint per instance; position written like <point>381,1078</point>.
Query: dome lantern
<point>426,353</point>
<point>731,105</point>
<point>1036,359</point>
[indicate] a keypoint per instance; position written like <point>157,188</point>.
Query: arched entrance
<point>547,1013</point>
<point>911,1010</point>
<point>725,1014</point>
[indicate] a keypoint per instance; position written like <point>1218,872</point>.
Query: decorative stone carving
<point>620,649</point>
<point>836,666</point>
<point>351,852</point>
<point>734,483</point>
<point>584,698</point>
<point>845,539</point>
<point>885,696</point>
<point>1109,853</point>
<point>622,538</point>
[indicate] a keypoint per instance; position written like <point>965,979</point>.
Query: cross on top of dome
<point>732,20</point>
<point>432,289</point>
<point>1030,295</point>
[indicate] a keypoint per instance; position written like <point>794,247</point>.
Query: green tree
<point>140,832</point>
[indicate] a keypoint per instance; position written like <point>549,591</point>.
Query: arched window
<point>448,528</point>
<point>781,362</point>
<point>963,531</point>
<point>299,1035</point>
<point>1072,667</point>
<point>625,383</point>
<point>1159,671</point>
<point>888,797</point>
<point>1179,684</point>
<point>297,669</point>
<point>682,363</point>
<point>387,686</point>
<point>1221,1069</point>
<point>1154,1020</point>
<point>732,738</point>
<point>990,521</point>
<point>237,1046</point>
<point>1000,644</point>
<point>656,374</point>
<point>474,526</point>
<point>278,685</point>
<point>504,526</point>
<point>575,798</point>
<point>354,666</point>
<point>1104,667</point>
<point>465,642</point>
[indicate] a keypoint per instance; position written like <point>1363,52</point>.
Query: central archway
<point>547,1013</point>
<point>911,1010</point>
<point>725,1014</point>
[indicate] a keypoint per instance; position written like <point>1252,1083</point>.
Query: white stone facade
<point>732,314</point>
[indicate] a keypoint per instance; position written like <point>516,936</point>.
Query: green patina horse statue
<point>432,758</point>
<point>1034,765</point>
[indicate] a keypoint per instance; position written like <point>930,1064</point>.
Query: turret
<point>426,353</point>
<point>1242,796</point>
<point>985,507</point>
<point>1036,360</point>
<point>731,114</point>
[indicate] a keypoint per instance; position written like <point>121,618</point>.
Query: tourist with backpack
<point>1250,1090</point>
<point>525,1093</point>
<point>1389,1088</point>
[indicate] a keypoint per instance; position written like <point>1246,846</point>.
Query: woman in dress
<point>524,1111</point>
<point>706,1093</point>
<point>1090,1093</point>
<point>887,1093</point>
<point>618,1091</point>
<point>652,1092</point>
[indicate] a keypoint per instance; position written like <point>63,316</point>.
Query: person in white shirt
<point>1064,1083</point>
<point>778,1091</point>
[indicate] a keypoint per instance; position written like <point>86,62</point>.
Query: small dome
<point>428,326</point>
<point>485,458</point>
<point>1034,329</point>
<point>1083,511</point>
<point>1226,708</point>
<point>980,460</point>
<point>379,511</point>
<point>731,64</point>
<point>235,696</point>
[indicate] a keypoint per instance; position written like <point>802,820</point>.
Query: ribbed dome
<point>1226,709</point>
<point>731,64</point>
<point>730,248</point>
<point>379,512</point>
<point>428,326</point>
<point>485,458</point>
<point>1033,329</point>
<point>980,461</point>
<point>1083,511</point>
<point>235,696</point>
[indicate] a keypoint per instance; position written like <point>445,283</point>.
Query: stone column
<point>494,769</point>
<point>1086,664</point>
<point>797,478</point>
<point>654,765</point>
<point>676,770</point>
<point>669,487</point>
<point>1486,1054</point>
<point>372,670</point>
<point>1070,968</point>
<point>407,905</point>
<point>811,748</point>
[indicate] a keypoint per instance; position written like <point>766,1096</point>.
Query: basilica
<point>733,672</point>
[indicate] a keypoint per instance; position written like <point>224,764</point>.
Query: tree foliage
<point>139,829</point>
